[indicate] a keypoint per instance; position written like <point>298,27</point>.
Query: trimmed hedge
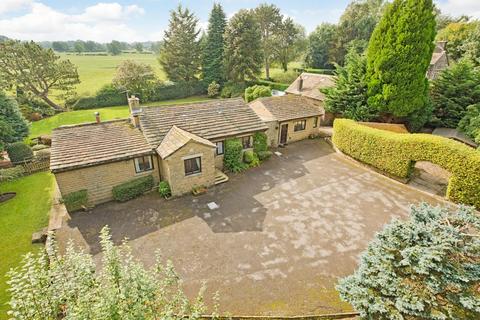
<point>133,188</point>
<point>396,154</point>
<point>75,201</point>
<point>19,152</point>
<point>233,157</point>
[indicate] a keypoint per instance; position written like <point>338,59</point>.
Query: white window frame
<point>137,164</point>
<point>223,148</point>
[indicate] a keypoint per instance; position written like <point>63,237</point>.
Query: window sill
<point>143,172</point>
<point>193,175</point>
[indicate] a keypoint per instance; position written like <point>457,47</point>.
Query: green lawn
<point>19,218</point>
<point>46,126</point>
<point>96,71</point>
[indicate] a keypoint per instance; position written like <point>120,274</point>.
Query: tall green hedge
<point>75,201</point>
<point>133,188</point>
<point>233,157</point>
<point>397,153</point>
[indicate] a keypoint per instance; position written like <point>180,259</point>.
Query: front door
<point>283,133</point>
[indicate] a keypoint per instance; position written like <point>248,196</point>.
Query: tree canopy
<point>426,267</point>
<point>320,46</point>
<point>290,42</point>
<point>456,35</point>
<point>398,56</point>
<point>180,55</point>
<point>114,48</point>
<point>213,60</point>
<point>243,48</point>
<point>136,77</point>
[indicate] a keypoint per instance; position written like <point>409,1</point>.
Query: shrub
<point>75,201</point>
<point>11,174</point>
<point>272,85</point>
<point>396,154</point>
<point>470,123</point>
<point>257,91</point>
<point>178,90</point>
<point>233,90</point>
<point>232,158</point>
<point>260,142</point>
<point>284,77</point>
<point>39,147</point>
<point>264,155</point>
<point>19,152</point>
<point>213,89</point>
<point>43,154</point>
<point>251,158</point>
<point>164,189</point>
<point>107,96</point>
<point>132,189</point>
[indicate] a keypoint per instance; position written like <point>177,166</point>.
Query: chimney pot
<point>134,104</point>
<point>97,117</point>
<point>300,84</point>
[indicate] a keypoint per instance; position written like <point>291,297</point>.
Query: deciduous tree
<point>114,48</point>
<point>136,77</point>
<point>320,46</point>
<point>181,54</point>
<point>426,267</point>
<point>212,65</point>
<point>243,48</point>
<point>270,21</point>
<point>35,70</point>
<point>290,42</point>
<point>456,34</point>
<point>398,57</point>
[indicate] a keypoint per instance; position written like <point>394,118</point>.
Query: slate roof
<point>439,60</point>
<point>177,138</point>
<point>208,120</point>
<point>95,143</point>
<point>312,82</point>
<point>284,108</point>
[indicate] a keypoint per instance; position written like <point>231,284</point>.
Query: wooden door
<point>284,133</point>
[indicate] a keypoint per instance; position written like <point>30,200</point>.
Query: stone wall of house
<point>272,133</point>
<point>219,162</point>
<point>299,135</point>
<point>99,180</point>
<point>174,168</point>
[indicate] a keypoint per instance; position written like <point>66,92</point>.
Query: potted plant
<point>164,190</point>
<point>198,190</point>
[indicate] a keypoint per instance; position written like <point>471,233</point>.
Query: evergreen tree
<point>452,92</point>
<point>212,65</point>
<point>243,49</point>
<point>471,47</point>
<point>320,45</point>
<point>398,57</point>
<point>426,267</point>
<point>13,125</point>
<point>270,22</point>
<point>349,95</point>
<point>181,54</point>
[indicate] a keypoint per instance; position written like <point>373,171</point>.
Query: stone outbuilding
<point>181,144</point>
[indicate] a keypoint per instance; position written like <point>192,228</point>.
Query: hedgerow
<point>396,154</point>
<point>132,188</point>
<point>232,159</point>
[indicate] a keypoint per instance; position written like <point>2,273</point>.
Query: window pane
<point>247,142</point>
<point>192,166</point>
<point>219,147</point>
<point>143,164</point>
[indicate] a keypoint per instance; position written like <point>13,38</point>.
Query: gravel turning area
<point>282,235</point>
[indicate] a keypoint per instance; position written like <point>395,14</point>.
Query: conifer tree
<point>398,57</point>
<point>243,50</point>
<point>452,92</point>
<point>212,64</point>
<point>13,125</point>
<point>180,55</point>
<point>349,95</point>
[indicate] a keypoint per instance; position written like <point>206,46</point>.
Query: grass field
<point>19,218</point>
<point>96,71</point>
<point>46,126</point>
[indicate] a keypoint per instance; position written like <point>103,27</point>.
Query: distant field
<point>96,71</point>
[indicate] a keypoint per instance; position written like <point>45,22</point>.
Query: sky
<point>146,20</point>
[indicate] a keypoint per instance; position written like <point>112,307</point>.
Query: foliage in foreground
<point>427,267</point>
<point>396,154</point>
<point>51,286</point>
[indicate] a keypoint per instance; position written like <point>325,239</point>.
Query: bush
<point>260,142</point>
<point>251,158</point>
<point>470,123</point>
<point>164,189</point>
<point>272,85</point>
<point>257,91</point>
<point>233,90</point>
<point>396,154</point>
<point>11,174</point>
<point>132,189</point>
<point>107,96</point>
<point>232,158</point>
<point>264,155</point>
<point>34,109</point>
<point>178,90</point>
<point>43,154</point>
<point>19,152</point>
<point>75,201</point>
<point>39,147</point>
<point>284,77</point>
<point>213,89</point>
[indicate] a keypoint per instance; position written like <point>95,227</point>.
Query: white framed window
<point>220,148</point>
<point>143,164</point>
<point>193,166</point>
<point>247,142</point>
<point>299,125</point>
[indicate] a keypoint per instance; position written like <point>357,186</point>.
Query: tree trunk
<point>52,104</point>
<point>267,68</point>
<point>285,66</point>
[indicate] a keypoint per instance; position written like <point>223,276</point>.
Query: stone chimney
<point>97,117</point>
<point>300,84</point>
<point>135,110</point>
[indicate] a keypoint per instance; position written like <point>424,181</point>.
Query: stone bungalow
<point>182,144</point>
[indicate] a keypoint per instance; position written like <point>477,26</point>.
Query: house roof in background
<point>176,138</point>
<point>312,83</point>
<point>285,108</point>
<point>208,120</point>
<point>455,135</point>
<point>90,144</point>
